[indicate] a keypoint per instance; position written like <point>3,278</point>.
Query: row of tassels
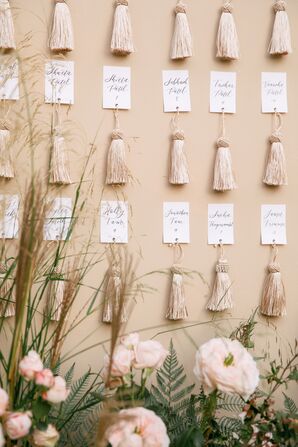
<point>61,37</point>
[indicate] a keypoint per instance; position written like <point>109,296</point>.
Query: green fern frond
<point>290,407</point>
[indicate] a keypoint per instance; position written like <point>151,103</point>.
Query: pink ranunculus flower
<point>30,365</point>
<point>2,440</point>
<point>45,438</point>
<point>17,425</point>
<point>226,365</point>
<point>149,354</point>
<point>137,427</point>
<point>3,401</point>
<point>58,392</point>
<point>131,340</point>
<point>122,362</point>
<point>45,378</point>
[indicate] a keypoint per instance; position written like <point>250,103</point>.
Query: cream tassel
<point>59,169</point>
<point>227,38</point>
<point>7,306</point>
<point>276,173</point>
<point>6,168</point>
<point>179,169</point>
<point>273,302</point>
<point>221,298</point>
<point>223,172</point>
<point>181,41</point>
<point>117,172</point>
<point>61,38</point>
<point>112,298</point>
<point>177,308</point>
<point>122,41</point>
<point>7,35</point>
<point>281,36</point>
<point>55,295</point>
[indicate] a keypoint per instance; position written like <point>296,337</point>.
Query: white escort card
<point>220,224</point>
<point>274,92</point>
<point>59,82</point>
<point>274,224</point>
<point>9,220</point>
<point>176,223</point>
<point>176,91</point>
<point>116,88</point>
<point>9,81</point>
<point>223,91</point>
<point>58,219</point>
<point>114,222</point>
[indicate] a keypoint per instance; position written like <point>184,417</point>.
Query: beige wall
<point>149,129</point>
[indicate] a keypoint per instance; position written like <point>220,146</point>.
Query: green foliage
<point>290,407</point>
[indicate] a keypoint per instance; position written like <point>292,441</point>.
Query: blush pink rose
<point>3,401</point>
<point>58,392</point>
<point>138,427</point>
<point>149,354</point>
<point>45,438</point>
<point>30,365</point>
<point>122,362</point>
<point>2,440</point>
<point>45,378</point>
<point>17,425</point>
<point>130,341</point>
<point>226,365</point>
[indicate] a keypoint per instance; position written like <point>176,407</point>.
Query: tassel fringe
<point>223,172</point>
<point>61,38</point>
<point>59,172</point>
<point>182,41</point>
<point>276,171</point>
<point>227,38</point>
<point>179,169</point>
<point>281,36</point>
<point>122,40</point>
<point>273,302</point>
<point>7,33</point>
<point>177,308</point>
<point>221,298</point>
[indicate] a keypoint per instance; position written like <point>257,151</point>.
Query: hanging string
<point>222,124</point>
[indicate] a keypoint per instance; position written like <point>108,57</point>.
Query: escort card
<point>58,219</point>
<point>223,91</point>
<point>176,223</point>
<point>114,222</point>
<point>176,91</point>
<point>9,81</point>
<point>273,225</point>
<point>116,88</point>
<point>9,221</point>
<point>59,82</point>
<point>221,224</point>
<point>274,92</point>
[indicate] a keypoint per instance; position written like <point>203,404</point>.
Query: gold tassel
<point>6,168</point>
<point>221,298</point>
<point>276,171</point>
<point>59,169</point>
<point>181,40</point>
<point>122,40</point>
<point>7,305</point>
<point>227,38</point>
<point>117,172</point>
<point>61,38</point>
<point>7,34</point>
<point>223,171</point>
<point>113,296</point>
<point>273,302</point>
<point>55,295</point>
<point>280,43</point>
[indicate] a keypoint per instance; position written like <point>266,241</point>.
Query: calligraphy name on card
<point>58,219</point>
<point>9,81</point>
<point>176,223</point>
<point>114,222</point>
<point>176,91</point>
<point>220,224</point>
<point>274,92</point>
<point>116,88</point>
<point>9,218</point>
<point>223,91</point>
<point>274,224</point>
<point>59,82</point>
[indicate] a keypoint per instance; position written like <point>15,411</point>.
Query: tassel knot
<point>222,266</point>
<point>122,2</point>
<point>177,270</point>
<point>117,135</point>
<point>5,124</point>
<point>178,135</point>
<point>280,5</point>
<point>222,142</point>
<point>274,268</point>
<point>180,8</point>
<point>275,138</point>
<point>227,7</point>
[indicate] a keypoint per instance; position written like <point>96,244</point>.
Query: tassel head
<point>227,37</point>
<point>276,171</point>
<point>181,46</point>
<point>221,298</point>
<point>61,38</point>
<point>122,40</point>
<point>280,43</point>
<point>273,302</point>
<point>7,33</point>
<point>223,172</point>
